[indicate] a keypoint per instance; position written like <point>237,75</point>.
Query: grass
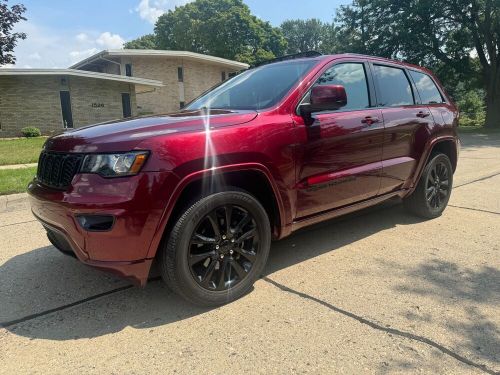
<point>20,150</point>
<point>15,180</point>
<point>477,129</point>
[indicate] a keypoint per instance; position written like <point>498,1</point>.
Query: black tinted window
<point>256,88</point>
<point>426,87</point>
<point>352,76</point>
<point>395,89</point>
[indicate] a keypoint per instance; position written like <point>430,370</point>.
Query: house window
<point>231,75</point>
<point>181,105</point>
<point>126,105</point>
<point>128,70</point>
<point>180,74</point>
<point>223,76</point>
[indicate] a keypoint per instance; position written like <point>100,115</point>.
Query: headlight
<point>114,165</point>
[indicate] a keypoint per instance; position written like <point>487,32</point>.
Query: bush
<point>471,106</point>
<point>31,132</point>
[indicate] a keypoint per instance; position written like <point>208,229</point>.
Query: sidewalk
<point>17,166</point>
<point>13,202</point>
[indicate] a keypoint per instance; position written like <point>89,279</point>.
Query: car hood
<point>125,135</point>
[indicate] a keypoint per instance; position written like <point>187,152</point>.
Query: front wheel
<point>217,248</point>
<point>433,191</point>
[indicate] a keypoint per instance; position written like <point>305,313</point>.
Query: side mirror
<point>328,97</point>
<point>325,98</point>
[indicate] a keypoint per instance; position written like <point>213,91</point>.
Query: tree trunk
<point>493,100</point>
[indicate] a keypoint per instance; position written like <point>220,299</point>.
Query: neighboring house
<point>112,84</point>
<point>56,99</point>
<point>185,75</point>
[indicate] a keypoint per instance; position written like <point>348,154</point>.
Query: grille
<point>57,170</point>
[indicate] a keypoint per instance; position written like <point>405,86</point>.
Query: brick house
<point>185,75</point>
<point>56,99</point>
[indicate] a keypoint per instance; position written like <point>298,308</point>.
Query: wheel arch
<point>446,145</point>
<point>253,177</point>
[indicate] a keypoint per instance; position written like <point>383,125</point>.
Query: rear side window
<point>394,87</point>
<point>352,76</point>
<point>426,87</point>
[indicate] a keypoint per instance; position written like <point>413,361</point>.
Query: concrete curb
<point>18,166</point>
<point>13,202</point>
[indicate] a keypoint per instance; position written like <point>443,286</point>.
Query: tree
<point>449,34</point>
<point>144,42</point>
<point>8,40</point>
<point>223,28</point>
<point>309,35</point>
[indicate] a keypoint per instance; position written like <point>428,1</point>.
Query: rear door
<point>430,96</point>
<point>341,151</point>
<point>406,121</point>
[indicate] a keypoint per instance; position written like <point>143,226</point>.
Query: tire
<point>431,196</point>
<point>195,259</point>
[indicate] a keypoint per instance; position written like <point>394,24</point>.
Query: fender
<point>198,175</point>
<point>425,158</point>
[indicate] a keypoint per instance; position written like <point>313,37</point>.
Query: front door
<point>340,155</point>
<point>127,108</point>
<point>67,115</point>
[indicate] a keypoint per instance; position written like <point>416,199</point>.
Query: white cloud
<point>110,41</point>
<point>48,47</point>
<point>151,10</point>
<point>80,55</point>
<point>82,37</point>
<point>35,56</point>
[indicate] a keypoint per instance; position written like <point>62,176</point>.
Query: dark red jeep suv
<point>271,150</point>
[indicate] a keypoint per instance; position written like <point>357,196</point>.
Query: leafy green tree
<point>9,16</point>
<point>308,35</point>
<point>471,105</point>
<point>224,28</point>
<point>144,42</point>
<point>449,32</point>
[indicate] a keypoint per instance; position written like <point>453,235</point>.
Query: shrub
<point>30,132</point>
<point>471,106</point>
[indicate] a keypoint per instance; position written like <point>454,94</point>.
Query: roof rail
<point>289,57</point>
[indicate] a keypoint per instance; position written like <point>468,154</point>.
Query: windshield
<point>254,89</point>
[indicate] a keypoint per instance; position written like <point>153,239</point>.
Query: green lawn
<point>20,150</point>
<point>15,180</point>
<point>477,129</point>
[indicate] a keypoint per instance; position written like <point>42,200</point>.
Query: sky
<point>62,32</point>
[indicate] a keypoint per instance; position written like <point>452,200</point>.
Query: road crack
<point>22,222</point>
<point>475,209</point>
<point>477,180</point>
<point>378,327</point>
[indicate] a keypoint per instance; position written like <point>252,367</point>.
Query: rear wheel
<point>217,248</point>
<point>433,191</point>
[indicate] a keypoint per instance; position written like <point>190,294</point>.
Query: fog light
<point>96,223</point>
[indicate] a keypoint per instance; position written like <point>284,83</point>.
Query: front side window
<point>255,89</point>
<point>426,87</point>
<point>353,77</point>
<point>395,89</point>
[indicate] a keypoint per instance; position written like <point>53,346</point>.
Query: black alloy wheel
<point>217,248</point>
<point>433,191</point>
<point>223,247</point>
<point>438,185</point>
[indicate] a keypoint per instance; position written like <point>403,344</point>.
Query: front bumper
<point>135,202</point>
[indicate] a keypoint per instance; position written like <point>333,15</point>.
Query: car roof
<point>354,56</point>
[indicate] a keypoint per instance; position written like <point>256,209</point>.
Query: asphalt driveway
<point>375,292</point>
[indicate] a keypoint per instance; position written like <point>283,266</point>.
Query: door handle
<point>423,114</point>
<point>369,120</point>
